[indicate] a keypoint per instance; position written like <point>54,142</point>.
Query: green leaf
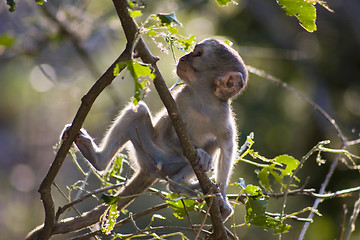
<point>152,33</point>
<point>256,215</point>
<point>138,70</point>
<point>228,42</point>
<point>255,210</point>
<point>263,176</point>
<point>6,40</point>
<point>12,5</point>
<point>142,70</point>
<point>282,228</point>
<point>118,67</point>
<point>168,18</point>
<point>186,44</point>
<point>290,162</point>
<point>178,206</point>
<point>116,166</point>
<point>108,219</point>
<point>222,3</point>
<point>303,10</point>
<point>40,2</point>
<point>135,13</point>
<point>172,30</point>
<point>254,191</point>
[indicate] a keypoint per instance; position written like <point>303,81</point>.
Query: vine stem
<point>277,81</point>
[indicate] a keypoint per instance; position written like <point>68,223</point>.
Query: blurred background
<point>45,69</point>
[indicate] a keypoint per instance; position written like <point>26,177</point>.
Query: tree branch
<point>86,103</point>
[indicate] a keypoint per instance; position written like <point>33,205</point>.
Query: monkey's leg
<point>125,128</point>
<point>181,180</point>
<point>135,126</point>
<point>223,172</point>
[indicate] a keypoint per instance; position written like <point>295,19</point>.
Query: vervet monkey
<point>213,72</point>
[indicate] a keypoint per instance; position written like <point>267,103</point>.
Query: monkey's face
<point>198,67</point>
<point>185,68</point>
<point>216,65</point>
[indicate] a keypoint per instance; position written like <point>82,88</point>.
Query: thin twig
<point>63,194</point>
<point>330,119</point>
<point>353,217</point>
<point>322,190</point>
<point>125,220</point>
<point>343,222</point>
<point>204,219</point>
<point>353,142</point>
<point>314,149</point>
<point>63,208</point>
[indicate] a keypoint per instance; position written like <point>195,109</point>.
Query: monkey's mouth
<point>180,67</point>
<point>181,72</point>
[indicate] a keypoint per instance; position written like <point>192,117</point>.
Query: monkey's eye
<point>197,54</point>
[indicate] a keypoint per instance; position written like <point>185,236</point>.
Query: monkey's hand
<point>85,144</point>
<point>203,161</point>
<point>82,138</point>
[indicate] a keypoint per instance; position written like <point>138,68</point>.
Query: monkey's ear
<point>229,85</point>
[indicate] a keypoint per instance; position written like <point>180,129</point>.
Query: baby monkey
<point>213,72</point>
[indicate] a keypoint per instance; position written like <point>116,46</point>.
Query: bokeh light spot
<point>42,77</point>
<point>22,178</point>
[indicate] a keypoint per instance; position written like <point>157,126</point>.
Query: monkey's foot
<point>225,209</point>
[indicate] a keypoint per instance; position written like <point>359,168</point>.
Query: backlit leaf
<point>168,18</point>
<point>6,40</point>
<point>135,13</point>
<point>303,10</point>
<point>118,68</point>
<point>263,176</point>
<point>224,2</point>
<point>254,191</point>
<point>12,5</point>
<point>178,206</point>
<point>290,162</point>
<point>137,71</point>
<point>185,44</point>
<point>256,215</point>
<point>108,219</point>
<point>41,2</point>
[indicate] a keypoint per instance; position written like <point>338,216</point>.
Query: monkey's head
<point>213,64</point>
